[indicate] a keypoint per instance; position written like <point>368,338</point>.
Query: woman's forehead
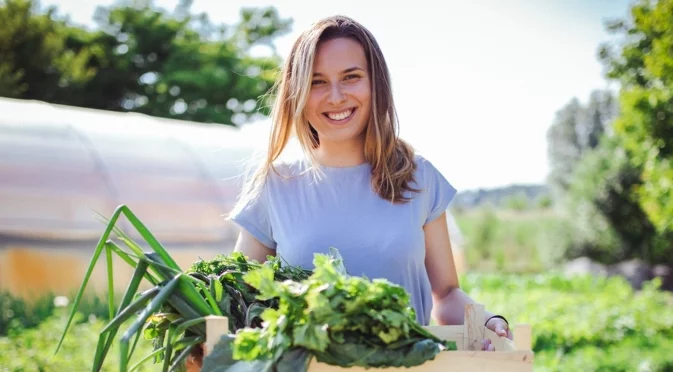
<point>338,56</point>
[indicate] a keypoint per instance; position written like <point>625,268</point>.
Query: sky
<point>477,83</point>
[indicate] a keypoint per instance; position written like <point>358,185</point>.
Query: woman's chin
<point>346,134</point>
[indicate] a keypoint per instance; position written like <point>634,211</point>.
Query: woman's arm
<point>251,247</point>
<point>448,299</point>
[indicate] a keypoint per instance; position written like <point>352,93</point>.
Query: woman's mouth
<point>340,117</point>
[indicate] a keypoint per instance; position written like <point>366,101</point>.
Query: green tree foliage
<point>36,62</point>
<point>144,59</point>
<point>643,64</point>
<point>608,223</point>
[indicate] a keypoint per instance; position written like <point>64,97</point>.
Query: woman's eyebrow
<point>350,69</point>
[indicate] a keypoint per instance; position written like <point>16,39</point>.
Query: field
<point>510,241</point>
<point>579,324</point>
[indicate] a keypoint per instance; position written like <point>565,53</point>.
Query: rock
<point>635,271</point>
<point>665,273</point>
<point>584,266</point>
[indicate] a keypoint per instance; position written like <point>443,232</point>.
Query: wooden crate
<point>509,356</point>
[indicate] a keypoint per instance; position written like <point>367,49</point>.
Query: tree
<point>175,65</point>
<point>608,222</point>
<point>36,62</point>
<point>643,65</point>
<point>598,119</point>
<point>576,130</point>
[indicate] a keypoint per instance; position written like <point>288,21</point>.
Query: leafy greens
<point>339,319</point>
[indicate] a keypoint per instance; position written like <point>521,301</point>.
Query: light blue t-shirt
<point>302,215</point>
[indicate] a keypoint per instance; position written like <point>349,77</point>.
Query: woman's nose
<point>336,96</point>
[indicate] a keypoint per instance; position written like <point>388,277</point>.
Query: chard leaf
<point>248,345</point>
<point>221,360</point>
<point>254,311</point>
<point>295,360</point>
<point>312,337</point>
<point>354,354</point>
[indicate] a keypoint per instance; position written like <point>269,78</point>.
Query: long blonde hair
<point>391,158</point>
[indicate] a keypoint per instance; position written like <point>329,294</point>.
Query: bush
<point>517,202</point>
<point>544,201</point>
<point>609,224</point>
<point>16,312</point>
<point>33,349</point>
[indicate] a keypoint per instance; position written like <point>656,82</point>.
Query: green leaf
<point>295,360</point>
<point>216,289</point>
<point>254,310</point>
<point>221,359</point>
<point>263,280</point>
<point>362,354</point>
<point>312,337</point>
<point>338,261</point>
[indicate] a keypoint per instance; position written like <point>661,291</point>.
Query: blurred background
<point>553,119</point>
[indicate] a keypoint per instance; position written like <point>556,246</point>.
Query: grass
<point>583,323</point>
<point>32,349</point>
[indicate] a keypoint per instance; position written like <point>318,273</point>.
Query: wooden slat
<point>474,326</point>
<point>450,333</point>
<point>457,333</point>
<point>216,326</point>
<point>454,361</point>
<point>522,337</point>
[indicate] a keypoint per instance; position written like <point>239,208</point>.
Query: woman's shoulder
<point>421,160</point>
<point>438,191</point>
<point>428,175</point>
<point>425,167</point>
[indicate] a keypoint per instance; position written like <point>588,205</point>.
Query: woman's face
<point>338,105</point>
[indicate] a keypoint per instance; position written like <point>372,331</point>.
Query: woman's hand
<point>500,328</point>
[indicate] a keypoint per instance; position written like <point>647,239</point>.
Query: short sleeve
<point>440,192</point>
<point>253,216</point>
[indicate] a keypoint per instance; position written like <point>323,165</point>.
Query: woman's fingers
<point>486,345</point>
<point>502,330</point>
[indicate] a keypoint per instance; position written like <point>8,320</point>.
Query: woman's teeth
<point>340,115</point>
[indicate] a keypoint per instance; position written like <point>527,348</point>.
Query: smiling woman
<point>356,185</point>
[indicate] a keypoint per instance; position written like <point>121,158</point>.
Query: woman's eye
<point>352,76</point>
<point>315,82</point>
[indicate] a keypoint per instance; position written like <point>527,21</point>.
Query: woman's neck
<point>343,154</point>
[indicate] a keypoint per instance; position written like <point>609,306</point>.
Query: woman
<point>356,186</point>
